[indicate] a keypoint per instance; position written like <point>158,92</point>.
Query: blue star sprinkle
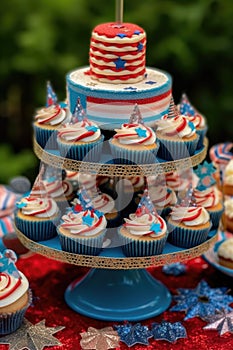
<point>168,331</point>
<point>202,301</point>
<point>91,128</point>
<point>130,88</point>
<point>140,47</point>
<point>150,82</point>
<point>120,64</point>
<point>191,125</point>
<point>141,132</point>
<point>155,228</point>
<point>175,269</point>
<point>221,322</point>
<point>137,32</point>
<point>20,205</point>
<point>134,334</point>
<point>205,173</point>
<point>121,35</point>
<point>87,220</point>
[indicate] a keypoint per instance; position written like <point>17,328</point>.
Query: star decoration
<point>131,88</point>
<point>99,339</point>
<point>155,227</point>
<point>150,82</point>
<point>91,128</point>
<point>91,84</point>
<point>175,269</point>
<point>21,205</point>
<point>32,337</point>
<point>134,334</point>
<point>87,220</point>
<point>202,301</point>
<point>137,32</point>
<point>8,259</point>
<point>191,125</point>
<point>222,322</point>
<point>205,173</point>
<point>121,35</point>
<point>168,331</point>
<point>141,132</point>
<point>120,64</point>
<point>140,47</point>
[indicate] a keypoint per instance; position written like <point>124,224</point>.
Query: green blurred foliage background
<point>43,40</point>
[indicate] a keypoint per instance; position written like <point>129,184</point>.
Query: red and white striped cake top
<point>117,53</point>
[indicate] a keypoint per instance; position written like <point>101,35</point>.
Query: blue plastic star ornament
<point>202,301</point>
<point>205,173</point>
<point>134,334</point>
<point>168,331</point>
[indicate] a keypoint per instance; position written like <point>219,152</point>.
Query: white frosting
<point>228,175</point>
<point>228,205</point>
<point>58,188</point>
<point>141,225</point>
<point>79,132</point>
<point>102,202</point>
<point>15,295</point>
<point>207,198</point>
<point>129,134</point>
<point>190,216</point>
<point>39,207</point>
<point>176,127</point>
<point>52,115</point>
<point>162,196</point>
<point>226,249</point>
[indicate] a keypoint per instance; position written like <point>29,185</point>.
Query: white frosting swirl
<point>174,127</point>
<point>226,249</point>
<point>52,115</point>
<point>39,207</point>
<point>142,225</point>
<point>76,224</point>
<point>58,188</point>
<point>198,120</point>
<point>102,202</point>
<point>83,131</point>
<point>12,288</point>
<point>190,216</point>
<point>228,205</point>
<point>207,198</point>
<point>135,134</point>
<point>162,196</point>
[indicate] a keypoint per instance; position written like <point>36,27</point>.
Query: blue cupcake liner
<point>172,150</point>
<point>201,133</point>
<point>135,247</point>
<point>9,323</point>
<point>215,217</point>
<point>85,246</point>
<point>88,151</point>
<point>46,138</point>
<point>186,237</point>
<point>37,230</point>
<point>128,156</point>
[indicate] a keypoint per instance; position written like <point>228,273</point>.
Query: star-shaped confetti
<point>202,301</point>
<point>150,82</point>
<point>121,35</point>
<point>130,88</point>
<point>140,47</point>
<point>168,331</point>
<point>205,173</point>
<point>119,63</point>
<point>91,128</point>
<point>155,227</point>
<point>99,339</point>
<point>87,220</point>
<point>32,337</point>
<point>141,132</point>
<point>134,334</point>
<point>222,322</point>
<point>175,269</point>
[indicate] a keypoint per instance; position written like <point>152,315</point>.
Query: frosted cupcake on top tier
<point>134,142</point>
<point>163,198</point>
<point>80,139</point>
<point>177,135</point>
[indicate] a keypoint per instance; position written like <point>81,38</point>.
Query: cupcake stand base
<point>117,295</point>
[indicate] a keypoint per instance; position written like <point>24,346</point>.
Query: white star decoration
<point>222,322</point>
<point>32,337</point>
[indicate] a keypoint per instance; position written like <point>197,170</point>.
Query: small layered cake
<point>225,253</point>
<point>117,53</point>
<point>15,295</point>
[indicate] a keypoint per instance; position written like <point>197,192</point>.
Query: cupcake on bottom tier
<point>225,253</point>
<point>15,295</point>
<point>144,233</point>
<point>82,231</point>
<point>188,226</point>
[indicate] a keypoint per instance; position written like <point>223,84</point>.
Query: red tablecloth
<point>49,279</point>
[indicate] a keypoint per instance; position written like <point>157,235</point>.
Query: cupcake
<point>144,233</point>
<point>227,216</point>
<point>211,200</point>
<point>134,142</point>
<point>188,226</point>
<point>228,179</point>
<point>38,214</point>
<point>15,295</point>
<point>80,139</point>
<point>46,123</point>
<point>180,181</point>
<point>185,108</point>
<point>163,198</point>
<point>82,231</point>
<point>177,137</point>
<point>61,191</point>
<point>225,253</point>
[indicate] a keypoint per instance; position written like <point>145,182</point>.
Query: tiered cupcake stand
<point>118,288</point>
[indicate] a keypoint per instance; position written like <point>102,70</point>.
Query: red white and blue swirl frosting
<point>83,131</point>
<point>162,196</point>
<point>12,288</point>
<point>146,224</point>
<point>190,216</point>
<point>41,208</point>
<point>84,223</point>
<point>135,134</point>
<point>57,188</point>
<point>178,126</point>
<point>221,153</point>
<point>207,198</point>
<point>52,115</point>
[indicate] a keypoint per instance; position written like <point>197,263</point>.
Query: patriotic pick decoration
<point>221,322</point>
<point>51,95</point>
<point>168,331</point>
<point>8,259</point>
<point>185,106</point>
<point>172,111</point>
<point>145,205</point>
<point>202,301</point>
<point>79,113</point>
<point>134,334</point>
<point>136,117</point>
<point>205,173</point>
